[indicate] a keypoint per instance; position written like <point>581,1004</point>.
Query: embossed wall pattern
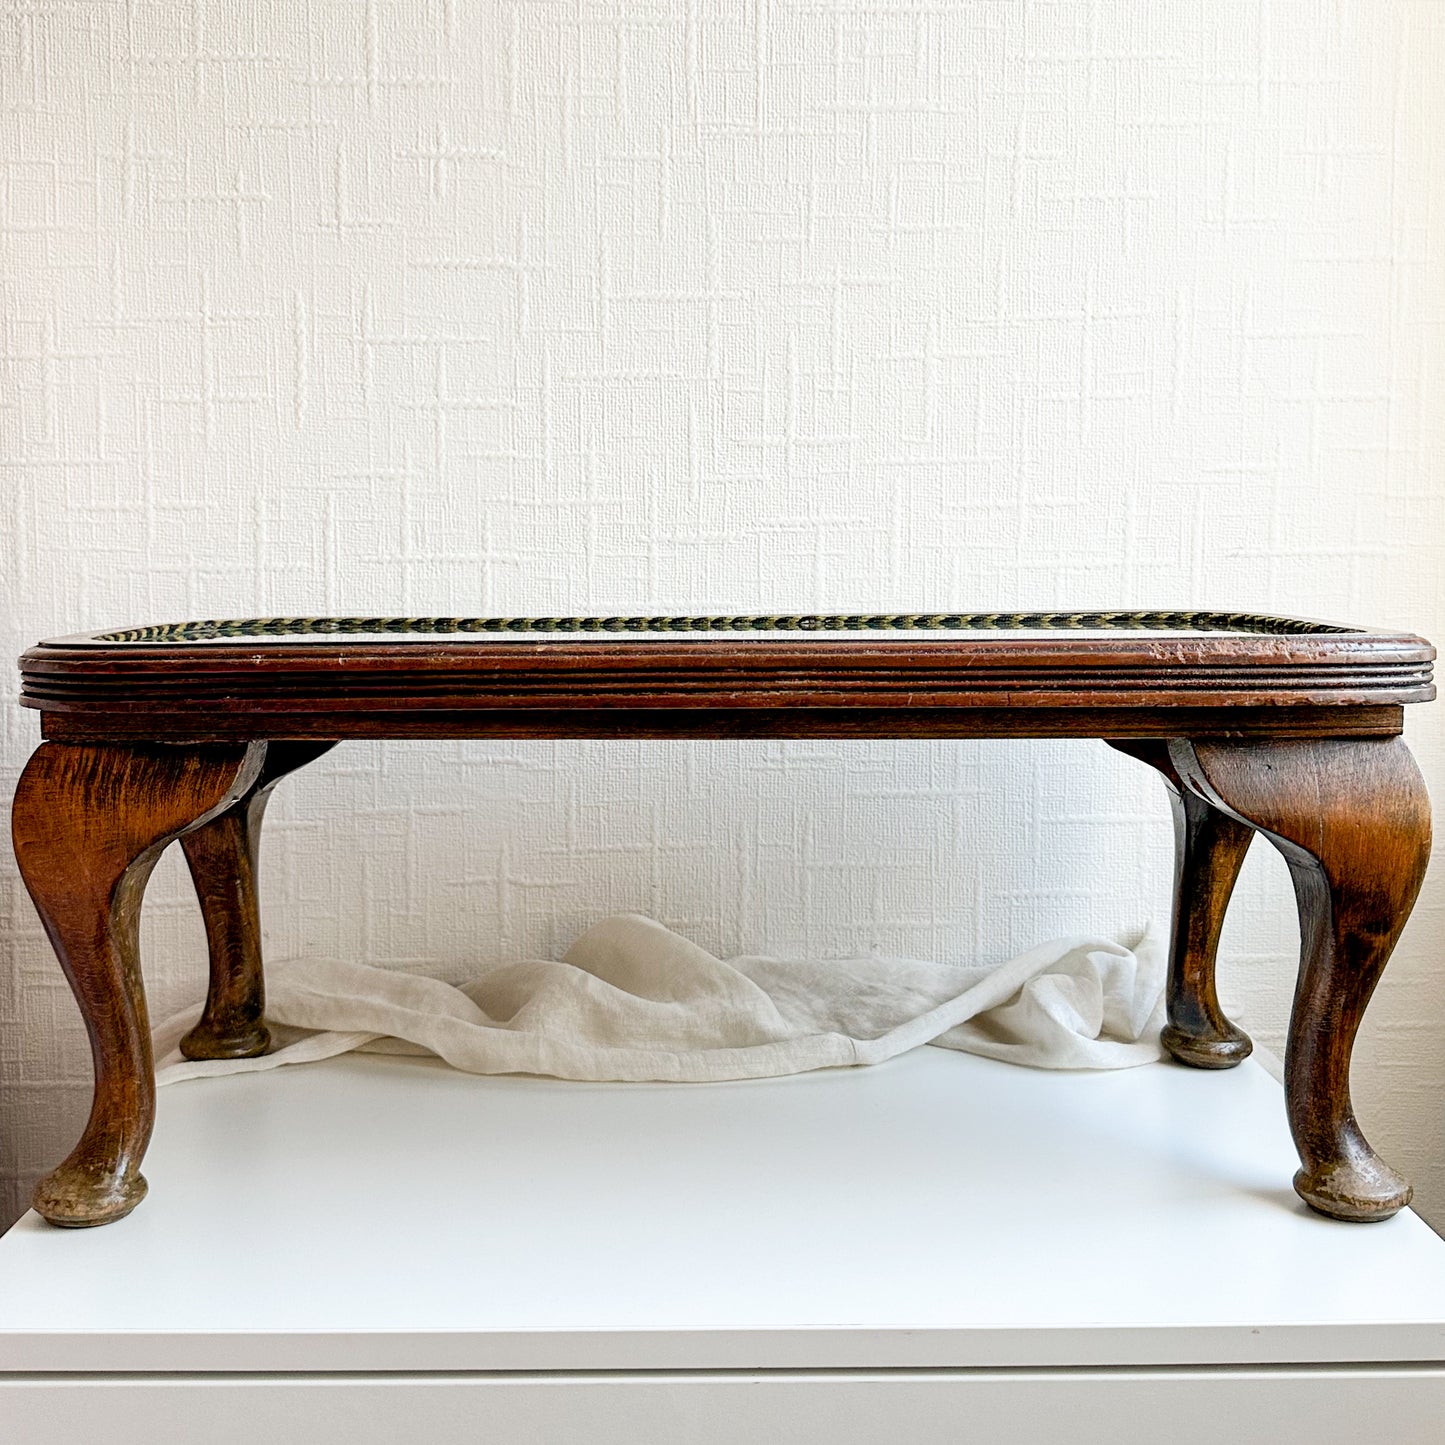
<point>444,308</point>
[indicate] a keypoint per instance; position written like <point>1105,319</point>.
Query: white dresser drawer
<point>1184,1407</point>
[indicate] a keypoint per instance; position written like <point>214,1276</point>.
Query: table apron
<point>419,721</point>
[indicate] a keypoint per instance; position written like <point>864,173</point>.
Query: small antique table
<point>1262,724</point>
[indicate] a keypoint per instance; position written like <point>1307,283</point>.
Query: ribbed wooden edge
<point>1019,672</point>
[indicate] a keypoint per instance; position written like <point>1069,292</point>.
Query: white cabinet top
<point>940,1210</point>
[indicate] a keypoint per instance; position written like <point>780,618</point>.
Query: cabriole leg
<point>1352,819</point>
<point>89,823</point>
<point>223,855</point>
<point>1209,848</point>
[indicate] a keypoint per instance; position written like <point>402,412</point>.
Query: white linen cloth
<point>632,1000</point>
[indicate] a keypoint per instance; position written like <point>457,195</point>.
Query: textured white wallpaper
<point>428,305</point>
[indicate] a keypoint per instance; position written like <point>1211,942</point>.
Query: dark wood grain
<point>1352,819</point>
<point>89,824</point>
<point>291,688</point>
<point>1209,848</point>
<point>395,721</point>
<point>223,856</point>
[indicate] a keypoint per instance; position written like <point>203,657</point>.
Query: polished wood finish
<point>1257,724</point>
<point>582,721</point>
<point>1209,850</point>
<point>1352,819</point>
<point>223,855</point>
<point>89,824</point>
<point>1044,685</point>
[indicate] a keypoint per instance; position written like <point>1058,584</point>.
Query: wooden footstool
<point>1270,724</point>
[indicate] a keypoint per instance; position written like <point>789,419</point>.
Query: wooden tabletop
<point>1079,673</point>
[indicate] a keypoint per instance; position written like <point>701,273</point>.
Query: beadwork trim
<point>261,627</point>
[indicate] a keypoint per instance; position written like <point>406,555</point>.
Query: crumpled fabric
<point>632,1000</point>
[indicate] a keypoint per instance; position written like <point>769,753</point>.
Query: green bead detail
<point>261,627</point>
